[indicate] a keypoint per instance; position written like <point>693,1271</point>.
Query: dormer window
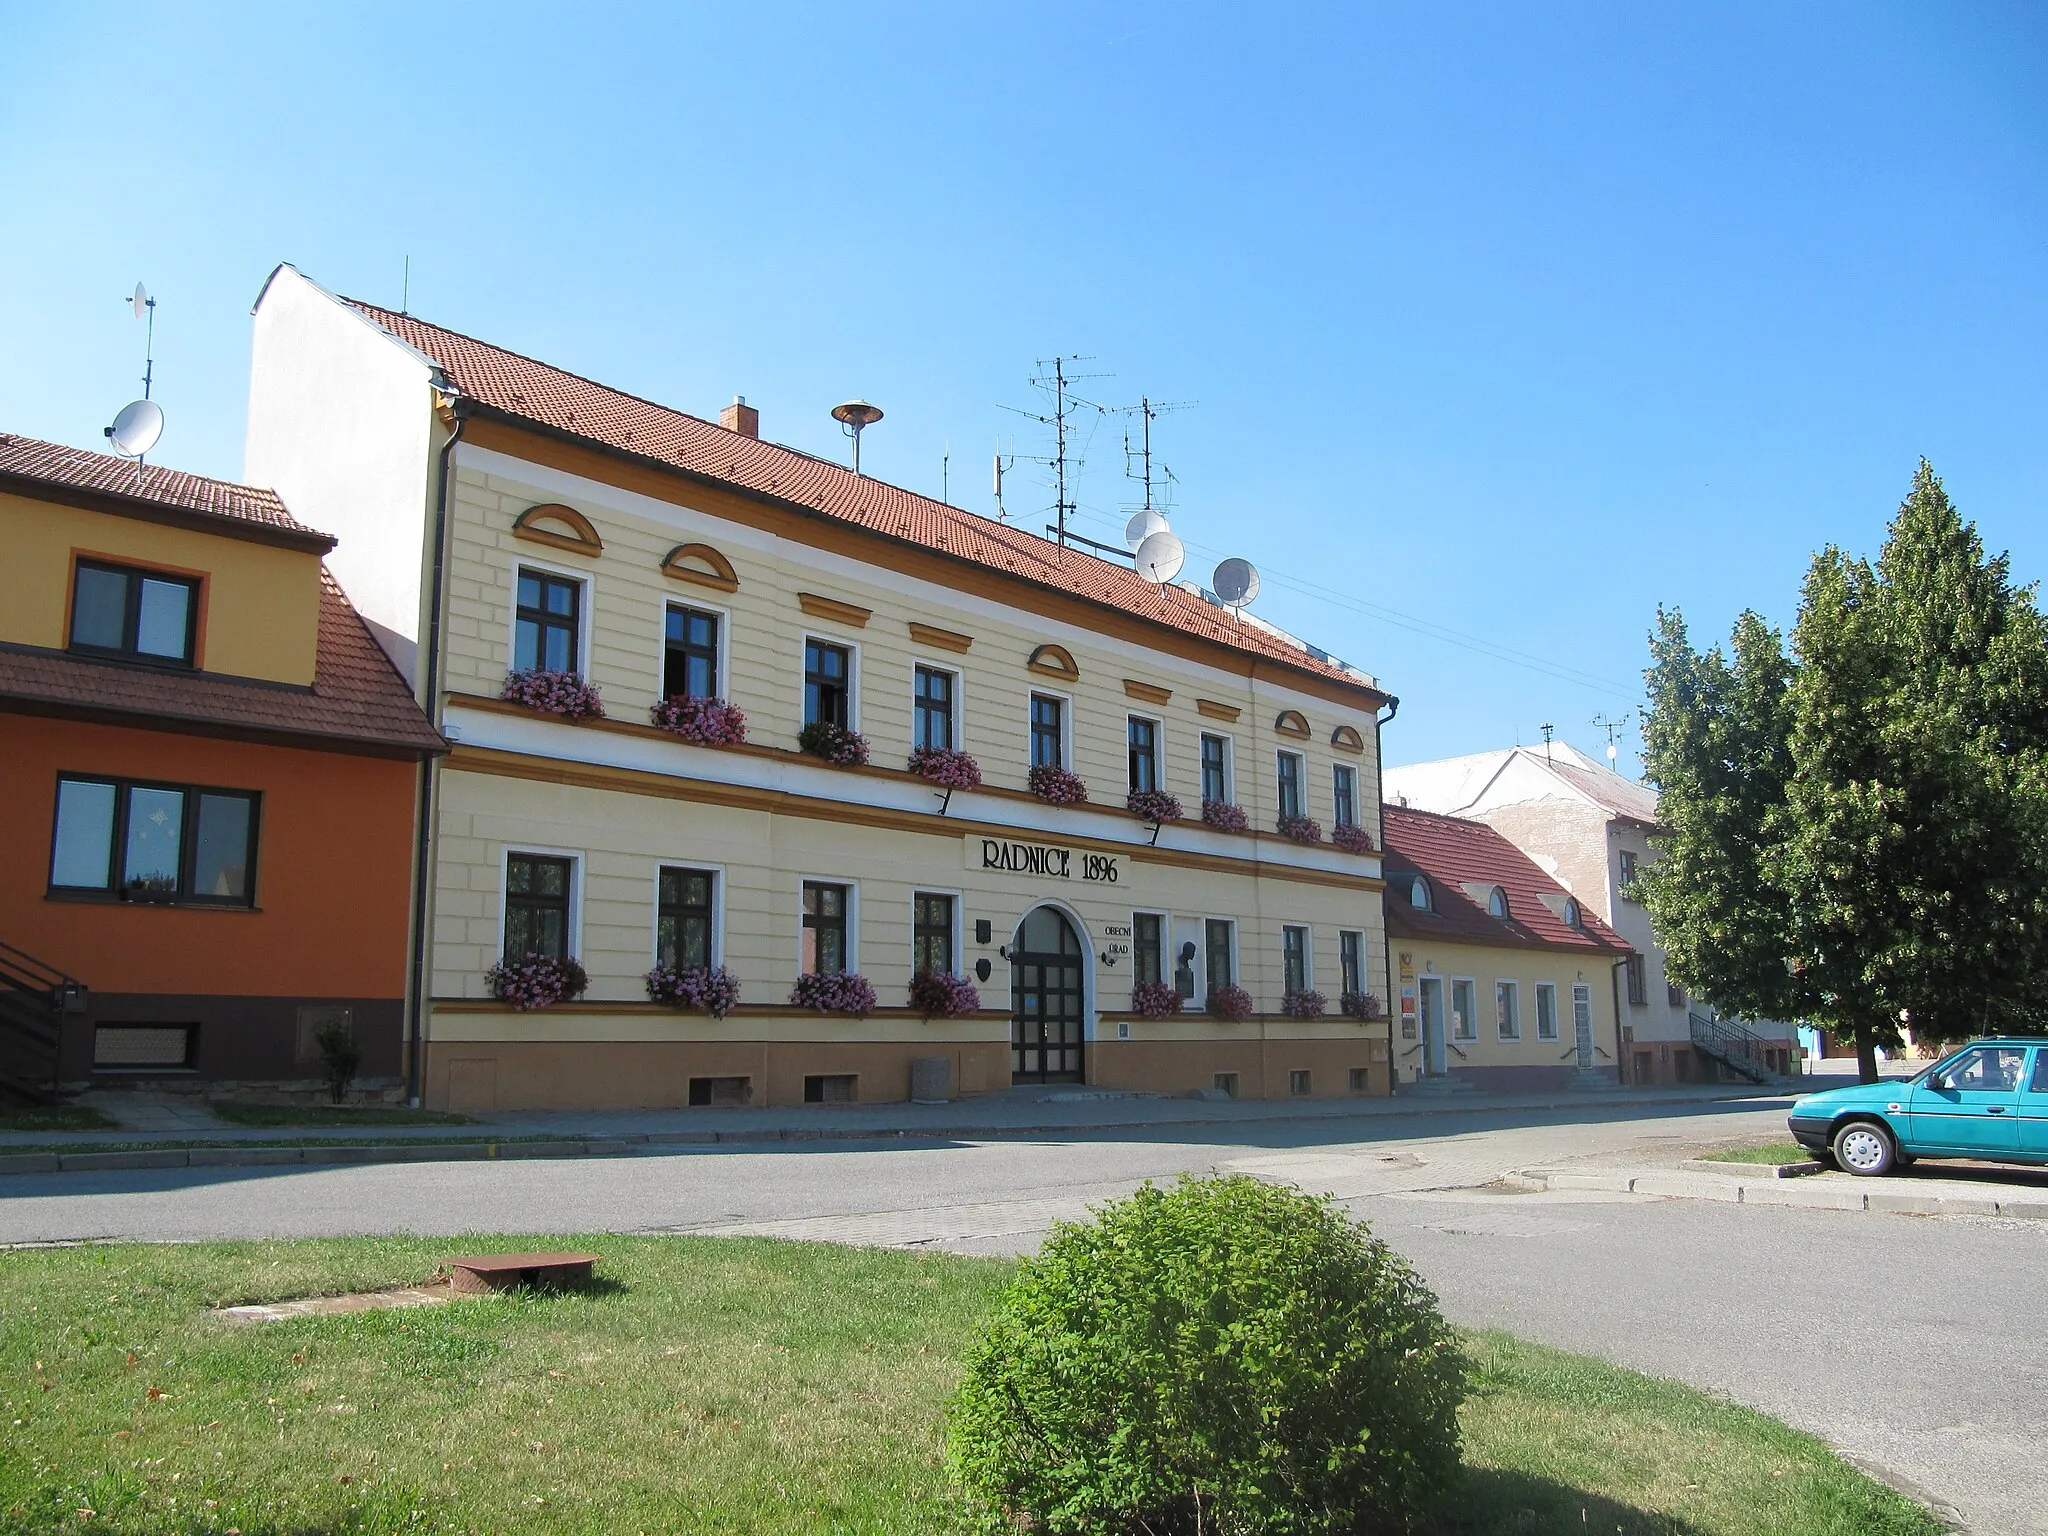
<point>134,615</point>
<point>1497,902</point>
<point>1573,918</point>
<point>1418,893</point>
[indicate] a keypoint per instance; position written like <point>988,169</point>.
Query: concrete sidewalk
<point>1926,1192</point>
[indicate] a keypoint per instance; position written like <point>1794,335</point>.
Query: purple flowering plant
<point>834,992</point>
<point>1155,1000</point>
<point>1303,829</point>
<point>1304,1004</point>
<point>1055,785</point>
<point>708,989</point>
<point>535,981</point>
<point>942,995</point>
<point>1352,838</point>
<point>1224,816</point>
<point>567,694</point>
<point>1360,1005</point>
<point>1153,805</point>
<point>833,743</point>
<point>702,721</point>
<point>945,767</point>
<point>1230,1002</point>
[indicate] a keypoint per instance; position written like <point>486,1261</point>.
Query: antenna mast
<point>1614,730</point>
<point>1064,404</point>
<point>1146,409</point>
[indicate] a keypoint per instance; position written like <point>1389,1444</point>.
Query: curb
<point>1753,1170</point>
<point>1830,1196</point>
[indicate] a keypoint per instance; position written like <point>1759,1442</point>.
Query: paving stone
<point>1687,1186</point>
<point>1808,1193</point>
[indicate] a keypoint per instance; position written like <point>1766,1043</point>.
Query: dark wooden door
<point>1048,1006</point>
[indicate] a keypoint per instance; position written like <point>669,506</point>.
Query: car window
<point>1989,1069</point>
<point>2040,1082</point>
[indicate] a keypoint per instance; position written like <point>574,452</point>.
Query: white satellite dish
<point>137,428</point>
<point>1160,557</point>
<point>1143,526</point>
<point>141,300</point>
<point>1236,582</point>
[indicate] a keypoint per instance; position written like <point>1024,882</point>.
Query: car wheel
<point>1866,1149</point>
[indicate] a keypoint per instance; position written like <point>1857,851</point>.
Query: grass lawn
<point>53,1117</point>
<point>1771,1153</point>
<point>266,1115</point>
<point>710,1385</point>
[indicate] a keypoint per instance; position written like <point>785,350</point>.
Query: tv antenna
<point>1064,404</point>
<point>1548,730</point>
<point>1002,467</point>
<point>141,422</point>
<point>1614,730</point>
<point>1236,584</point>
<point>855,417</point>
<point>1145,410</point>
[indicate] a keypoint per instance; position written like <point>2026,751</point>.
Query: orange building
<point>208,772</point>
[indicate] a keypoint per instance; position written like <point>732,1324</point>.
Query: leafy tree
<point>1858,834</point>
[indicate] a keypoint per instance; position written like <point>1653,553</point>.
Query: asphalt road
<point>1914,1344</point>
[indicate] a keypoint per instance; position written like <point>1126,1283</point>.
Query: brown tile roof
<point>1610,791</point>
<point>1453,852</point>
<point>53,464</point>
<point>547,396</point>
<point>358,700</point>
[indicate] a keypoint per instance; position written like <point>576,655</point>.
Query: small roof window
<point>1572,916</point>
<point>1497,902</point>
<point>1418,893</point>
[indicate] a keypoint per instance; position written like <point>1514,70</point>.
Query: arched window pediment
<point>701,564</point>
<point>559,527</point>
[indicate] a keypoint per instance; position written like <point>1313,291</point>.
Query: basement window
<point>832,1088</point>
<point>710,1092</point>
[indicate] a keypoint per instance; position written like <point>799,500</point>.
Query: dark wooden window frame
<point>821,688</point>
<point>188,843</point>
<point>1219,943</point>
<point>131,616</point>
<point>1148,955</point>
<point>543,618</point>
<point>1216,774</point>
<point>1284,781</point>
<point>1351,958</point>
<point>924,707</point>
<point>676,655</point>
<point>1344,794</point>
<point>927,934</point>
<point>684,911</point>
<point>1142,733</point>
<point>822,923</point>
<point>1294,944</point>
<point>1052,731</point>
<point>524,902</point>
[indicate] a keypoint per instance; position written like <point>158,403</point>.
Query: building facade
<point>1591,830</point>
<point>510,519</point>
<point>210,770</point>
<point>1503,979</point>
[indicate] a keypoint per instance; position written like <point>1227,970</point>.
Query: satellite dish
<point>137,428</point>
<point>1143,526</point>
<point>1160,557</point>
<point>1236,582</point>
<point>140,301</point>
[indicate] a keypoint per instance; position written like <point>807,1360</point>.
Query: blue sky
<point>1504,324</point>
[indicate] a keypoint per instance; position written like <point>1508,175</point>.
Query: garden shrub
<point>1222,1356</point>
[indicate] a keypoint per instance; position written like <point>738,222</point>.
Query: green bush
<point>1225,1356</point>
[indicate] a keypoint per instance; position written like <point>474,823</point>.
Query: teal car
<point>1988,1100</point>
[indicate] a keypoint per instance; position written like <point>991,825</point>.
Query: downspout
<point>1620,1056</point>
<point>1379,787</point>
<point>423,842</point>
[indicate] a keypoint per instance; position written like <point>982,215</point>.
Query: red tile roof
<point>547,396</point>
<point>1454,852</point>
<point>358,699</point>
<point>28,459</point>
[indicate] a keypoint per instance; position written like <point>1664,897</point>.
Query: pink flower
<point>1352,838</point>
<point>705,988</point>
<point>1155,999</point>
<point>834,992</point>
<point>946,768</point>
<point>1304,1005</point>
<point>1231,1002</point>
<point>833,743</point>
<point>1224,816</point>
<point>941,995</point>
<point>705,722</point>
<point>1056,785</point>
<point>566,694</point>
<point>535,981</point>
<point>1153,805</point>
<point>1359,1005</point>
<point>1301,829</point>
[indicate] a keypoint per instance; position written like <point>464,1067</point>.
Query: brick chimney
<point>740,417</point>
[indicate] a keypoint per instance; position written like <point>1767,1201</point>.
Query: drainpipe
<point>423,841</point>
<point>1379,775</point>
<point>1620,1056</point>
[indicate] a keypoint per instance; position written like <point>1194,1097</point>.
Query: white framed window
<point>934,706</point>
<point>695,649</point>
<point>828,925</point>
<point>549,623</point>
<point>1546,1010</point>
<point>1507,1010</point>
<point>540,906</point>
<point>1293,791</point>
<point>935,936</point>
<point>831,682</point>
<point>689,915</point>
<point>1344,794</point>
<point>1297,963</point>
<point>1145,736</point>
<point>1051,723</point>
<point>1351,959</point>
<point>1151,952</point>
<point>1219,953</point>
<point>1217,750</point>
<point>1464,1008</point>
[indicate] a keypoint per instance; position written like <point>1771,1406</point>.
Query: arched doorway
<point>1048,1006</point>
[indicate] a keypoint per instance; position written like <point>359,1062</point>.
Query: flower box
<point>1224,816</point>
<point>1056,786</point>
<point>942,995</point>
<point>535,981</point>
<point>833,744</point>
<point>568,695</point>
<point>1230,1002</point>
<point>1360,1005</point>
<point>834,992</point>
<point>1307,1004</point>
<point>1153,805</point>
<point>1352,838</point>
<point>946,768</point>
<point>700,721</point>
<point>1302,829</point>
<point>708,989</point>
<point>1156,999</point>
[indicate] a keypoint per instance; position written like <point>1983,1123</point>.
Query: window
<point>1218,936</point>
<point>140,615</point>
<point>1297,1082</point>
<point>931,722</point>
<point>1573,917</point>
<point>1294,958</point>
<point>824,945</point>
<point>706,1091</point>
<point>1215,768</point>
<point>1507,1010</point>
<point>1226,1084</point>
<point>931,940</point>
<point>1674,994</point>
<point>1546,1010</point>
<point>1148,957</point>
<point>1497,902</point>
<point>1987,1069</point>
<point>1464,1011</point>
<point>2040,1082</point>
<point>828,687</point>
<point>831,1088</point>
<point>1351,959</point>
<point>1344,782</point>
<point>1290,784</point>
<point>689,663</point>
<point>1361,1079</point>
<point>1638,987</point>
<point>549,625</point>
<point>144,1047</point>
<point>1418,893</point>
<point>1628,875</point>
<point>537,905</point>
<point>1048,731</point>
<point>683,918</point>
<point>1144,741</point>
<point>154,842</point>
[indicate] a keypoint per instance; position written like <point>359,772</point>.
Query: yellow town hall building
<point>523,539</point>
